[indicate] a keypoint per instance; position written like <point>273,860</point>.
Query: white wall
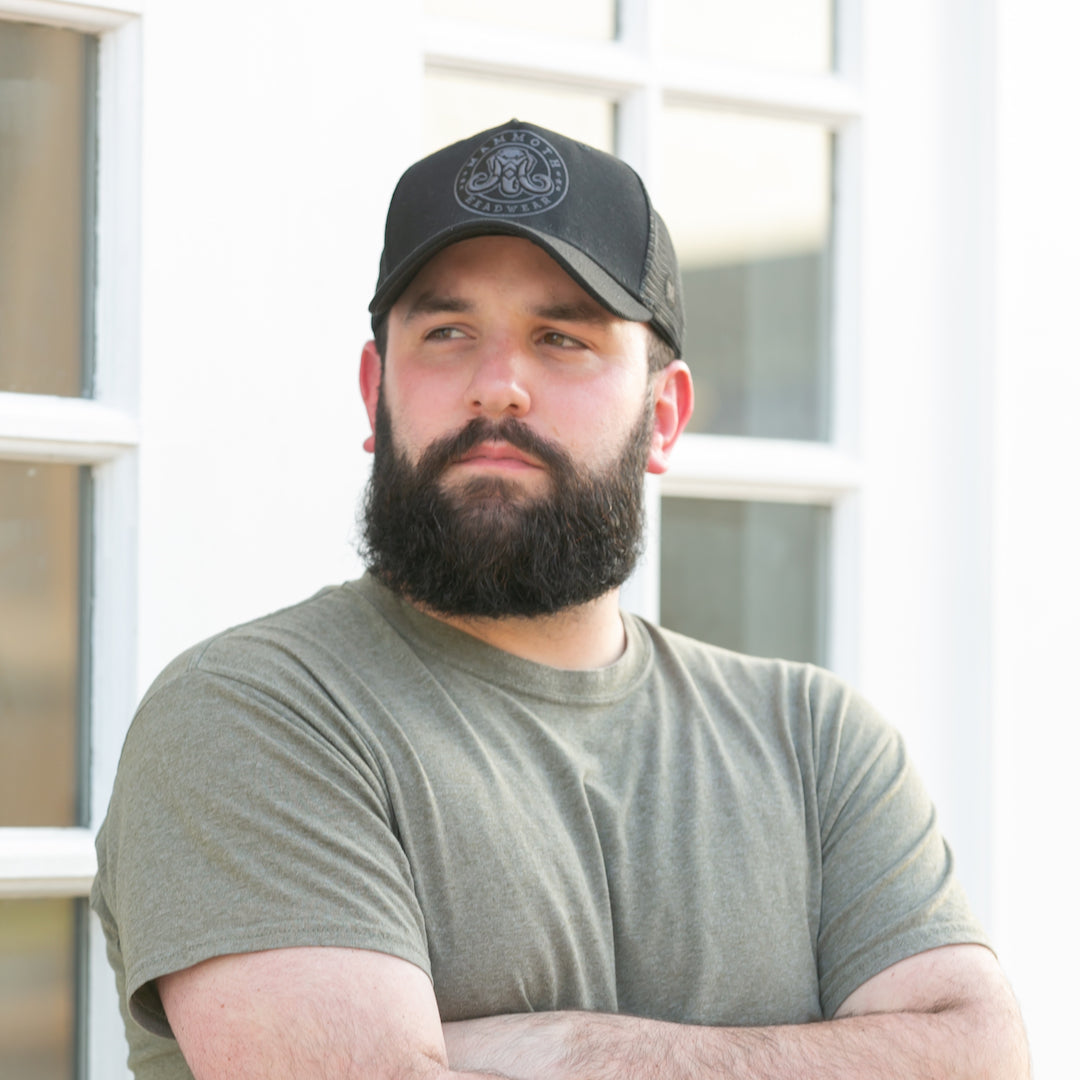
<point>1037,525</point>
<point>970,586</point>
<point>925,440</point>
<point>273,134</point>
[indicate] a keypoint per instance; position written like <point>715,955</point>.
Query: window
<point>67,442</point>
<point>742,120</point>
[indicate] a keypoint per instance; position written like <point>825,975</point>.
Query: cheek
<point>595,425</point>
<point>421,409</point>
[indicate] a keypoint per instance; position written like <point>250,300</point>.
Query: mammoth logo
<point>513,173</point>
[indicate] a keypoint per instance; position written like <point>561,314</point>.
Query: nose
<point>498,384</point>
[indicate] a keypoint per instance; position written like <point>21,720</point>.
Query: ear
<point>673,403</point>
<point>370,382</point>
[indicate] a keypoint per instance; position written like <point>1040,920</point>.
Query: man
<point>462,818</point>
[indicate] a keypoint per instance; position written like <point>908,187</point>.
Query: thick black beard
<point>485,550</point>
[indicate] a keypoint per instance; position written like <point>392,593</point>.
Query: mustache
<point>442,453</point>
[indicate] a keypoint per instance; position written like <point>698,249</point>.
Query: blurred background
<point>875,209</point>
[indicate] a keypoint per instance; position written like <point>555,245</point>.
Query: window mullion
<point>771,470</point>
<point>44,862</point>
<point>637,136</point>
<point>483,50</point>
<point>87,18</point>
<point>824,99</point>
<point>116,345</point>
<point>75,430</point>
<point>848,23</point>
<point>113,628</point>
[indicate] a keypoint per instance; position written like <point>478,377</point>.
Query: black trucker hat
<point>588,210</point>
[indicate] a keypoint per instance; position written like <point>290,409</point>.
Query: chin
<point>500,490</point>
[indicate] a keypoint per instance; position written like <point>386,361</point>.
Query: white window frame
<point>903,471</point>
<point>912,441</point>
<point>641,79</point>
<point>101,432</point>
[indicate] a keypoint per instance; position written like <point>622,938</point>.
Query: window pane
<point>794,35</point>
<point>37,989</point>
<point>751,576</point>
<point>45,223</point>
<point>456,106</point>
<point>749,204</point>
<point>40,591</point>
<point>594,19</point>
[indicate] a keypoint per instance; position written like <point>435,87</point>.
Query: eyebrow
<point>574,311</point>
<point>433,303</point>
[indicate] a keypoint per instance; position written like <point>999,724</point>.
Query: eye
<point>444,333</point>
<point>560,341</point>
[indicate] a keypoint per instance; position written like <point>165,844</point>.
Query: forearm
<point>312,1013</point>
<point>946,1012</point>
<point>956,1042</point>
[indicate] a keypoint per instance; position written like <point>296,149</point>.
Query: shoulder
<point>765,681</point>
<point>291,682</point>
<point>802,705</point>
<point>317,625</point>
<point>327,647</point>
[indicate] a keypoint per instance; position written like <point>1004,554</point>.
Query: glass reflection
<point>749,204</point>
<point>40,592</point>
<point>37,989</point>
<point>45,207</point>
<point>751,576</point>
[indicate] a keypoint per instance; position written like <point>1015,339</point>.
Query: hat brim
<point>596,281</point>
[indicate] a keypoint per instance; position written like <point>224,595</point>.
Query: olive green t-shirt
<point>687,834</point>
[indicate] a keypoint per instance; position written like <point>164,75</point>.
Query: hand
<point>517,1046</point>
<point>536,1046</point>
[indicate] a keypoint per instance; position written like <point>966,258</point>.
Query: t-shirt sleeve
<point>245,819</point>
<point>889,889</point>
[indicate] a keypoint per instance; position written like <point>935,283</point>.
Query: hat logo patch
<point>513,173</point>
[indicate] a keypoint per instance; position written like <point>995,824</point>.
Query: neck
<point>579,638</point>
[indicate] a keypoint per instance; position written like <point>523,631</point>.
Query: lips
<point>481,445</point>
<point>498,454</point>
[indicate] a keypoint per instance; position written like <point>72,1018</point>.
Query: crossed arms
<point>347,1014</point>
